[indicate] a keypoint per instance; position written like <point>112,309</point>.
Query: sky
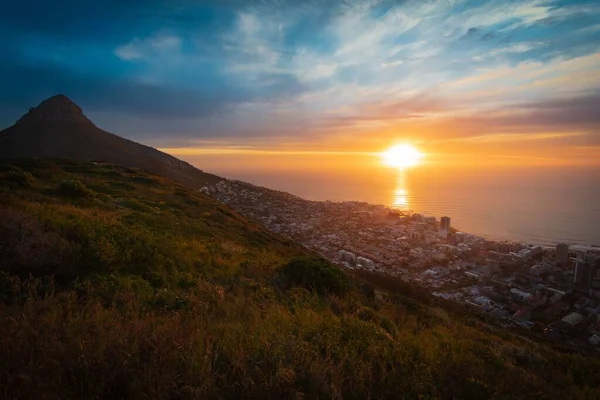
<point>513,81</point>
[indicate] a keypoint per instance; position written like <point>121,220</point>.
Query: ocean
<point>541,205</point>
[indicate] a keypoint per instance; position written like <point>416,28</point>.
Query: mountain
<point>58,128</point>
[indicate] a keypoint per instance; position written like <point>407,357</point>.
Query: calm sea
<point>543,205</point>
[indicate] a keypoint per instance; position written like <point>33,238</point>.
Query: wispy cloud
<point>160,45</point>
<point>516,137</point>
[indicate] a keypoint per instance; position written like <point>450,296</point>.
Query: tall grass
<point>182,298</point>
<point>230,345</point>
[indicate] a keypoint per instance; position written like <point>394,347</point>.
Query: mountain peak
<point>58,108</point>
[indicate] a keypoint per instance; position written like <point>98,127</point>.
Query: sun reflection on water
<point>400,197</point>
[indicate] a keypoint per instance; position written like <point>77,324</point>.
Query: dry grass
<point>183,298</point>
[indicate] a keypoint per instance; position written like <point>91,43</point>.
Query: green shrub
<point>316,275</point>
<point>17,178</point>
<point>145,180</point>
<point>135,205</point>
<point>26,248</point>
<point>74,189</point>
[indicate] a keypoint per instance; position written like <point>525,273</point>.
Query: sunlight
<point>402,156</point>
<point>400,200</point>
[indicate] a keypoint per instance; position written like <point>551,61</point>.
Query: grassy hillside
<point>118,284</point>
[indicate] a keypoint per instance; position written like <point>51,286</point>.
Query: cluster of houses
<point>524,285</point>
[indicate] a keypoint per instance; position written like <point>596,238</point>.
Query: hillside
<point>58,128</point>
<point>119,284</point>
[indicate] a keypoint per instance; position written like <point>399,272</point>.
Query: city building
<point>540,269</point>
<point>472,274</point>
<point>573,319</point>
<point>521,295</point>
<point>524,314</point>
<point>516,247</point>
<point>463,248</point>
<point>493,265</point>
<point>529,252</point>
<point>504,248</point>
<point>444,227</point>
<point>562,254</point>
<point>582,278</point>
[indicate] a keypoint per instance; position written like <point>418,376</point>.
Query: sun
<point>402,156</point>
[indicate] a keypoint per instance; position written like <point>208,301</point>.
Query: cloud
<point>581,112</point>
<point>160,45</point>
<point>412,47</point>
<point>515,137</point>
<point>518,48</point>
<point>436,119</point>
<point>129,51</point>
<point>554,118</point>
<point>255,44</point>
<point>311,69</point>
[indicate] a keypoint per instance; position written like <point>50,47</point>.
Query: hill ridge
<point>58,128</point>
<point>58,108</point>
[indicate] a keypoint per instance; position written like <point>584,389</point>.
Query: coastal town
<point>552,291</point>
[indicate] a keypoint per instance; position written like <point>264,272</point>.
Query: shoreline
<point>494,238</point>
<point>572,245</point>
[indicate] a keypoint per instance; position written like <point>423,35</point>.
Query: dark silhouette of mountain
<point>58,128</point>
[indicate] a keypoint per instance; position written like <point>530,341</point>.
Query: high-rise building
<point>445,223</point>
<point>444,227</point>
<point>582,278</point>
<point>504,248</point>
<point>562,253</point>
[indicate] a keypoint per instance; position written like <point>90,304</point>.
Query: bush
<point>135,205</point>
<point>17,178</point>
<point>75,189</point>
<point>316,275</point>
<point>26,248</point>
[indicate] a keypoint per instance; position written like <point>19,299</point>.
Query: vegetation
<point>142,288</point>
<point>315,275</point>
<point>15,177</point>
<point>72,188</point>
